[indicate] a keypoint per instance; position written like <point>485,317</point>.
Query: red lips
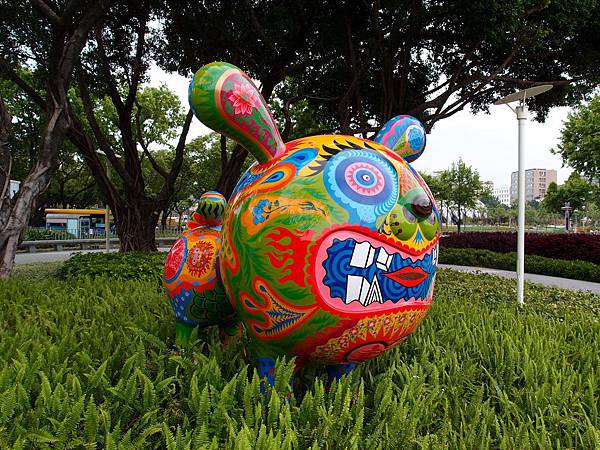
<point>407,276</point>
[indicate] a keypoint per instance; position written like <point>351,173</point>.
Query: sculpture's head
<point>330,242</point>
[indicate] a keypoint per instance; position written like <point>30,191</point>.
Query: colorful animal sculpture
<point>329,244</point>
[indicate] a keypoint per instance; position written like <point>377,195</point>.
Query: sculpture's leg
<point>183,332</point>
<point>266,371</point>
<point>337,371</point>
<point>230,331</point>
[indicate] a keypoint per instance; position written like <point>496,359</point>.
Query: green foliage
<point>580,141</point>
<point>90,364</point>
<point>44,234</point>
<point>143,266</point>
<point>36,272</point>
<point>459,187</point>
<point>576,190</point>
<point>575,269</point>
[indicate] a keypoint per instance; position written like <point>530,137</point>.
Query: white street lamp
<point>521,112</point>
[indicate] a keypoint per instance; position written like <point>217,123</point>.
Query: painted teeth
<point>363,255</point>
<point>435,254</point>
<point>384,260</point>
<point>358,288</point>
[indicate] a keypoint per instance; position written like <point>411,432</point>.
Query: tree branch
<point>12,75</point>
<point>5,153</point>
<point>78,39</point>
<point>167,190</point>
<point>98,134</point>
<point>259,29</point>
<point>113,91</point>
<point>162,172</point>
<point>48,12</point>
<point>287,129</point>
<point>223,152</point>
<point>136,71</point>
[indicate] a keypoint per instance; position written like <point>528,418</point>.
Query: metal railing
<point>82,244</point>
<point>47,234</point>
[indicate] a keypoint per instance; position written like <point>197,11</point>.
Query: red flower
<point>243,98</point>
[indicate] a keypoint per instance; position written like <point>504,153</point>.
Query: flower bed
<point>585,247</point>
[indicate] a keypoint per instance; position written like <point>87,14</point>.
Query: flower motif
<point>243,98</point>
<point>259,210</point>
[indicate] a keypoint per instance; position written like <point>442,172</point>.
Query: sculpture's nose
<point>421,205</point>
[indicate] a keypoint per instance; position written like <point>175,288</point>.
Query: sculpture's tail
<point>210,211</point>
<point>226,100</point>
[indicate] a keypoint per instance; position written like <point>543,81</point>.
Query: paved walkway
<point>41,256</point>
<point>565,283</point>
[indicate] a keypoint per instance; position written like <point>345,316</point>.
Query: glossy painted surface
<point>195,292</point>
<point>328,247</point>
<point>329,251</point>
<point>226,100</point>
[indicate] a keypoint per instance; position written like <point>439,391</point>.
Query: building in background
<point>488,185</point>
<point>536,184</point>
<point>14,188</point>
<point>502,194</point>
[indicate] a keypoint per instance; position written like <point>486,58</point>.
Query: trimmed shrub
<point>120,266</point>
<point>578,270</point>
<point>584,247</point>
<point>45,234</point>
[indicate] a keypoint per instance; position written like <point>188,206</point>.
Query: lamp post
<point>567,209</point>
<point>521,113</point>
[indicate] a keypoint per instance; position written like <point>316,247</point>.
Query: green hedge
<point>120,266</point>
<point>90,364</point>
<point>578,270</point>
<point>43,234</point>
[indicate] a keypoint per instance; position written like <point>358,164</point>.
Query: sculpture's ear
<point>404,135</point>
<point>226,100</point>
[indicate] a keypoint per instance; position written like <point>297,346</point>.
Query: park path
<point>565,283</point>
<point>27,258</point>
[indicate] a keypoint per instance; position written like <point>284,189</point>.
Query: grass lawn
<point>90,364</point>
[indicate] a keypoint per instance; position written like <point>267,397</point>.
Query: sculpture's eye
<point>410,217</point>
<point>363,182</point>
<point>402,222</point>
<point>431,219</point>
<point>364,178</point>
<point>430,226</point>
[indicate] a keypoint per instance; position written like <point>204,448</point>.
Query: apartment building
<point>536,184</point>
<point>502,194</point>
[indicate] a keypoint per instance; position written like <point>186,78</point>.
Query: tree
<point>129,128</point>
<point>463,188</point>
<point>576,190</point>
<point>354,68</point>
<point>440,193</point>
<point>580,140</point>
<point>48,38</point>
<point>72,185</point>
<point>271,41</point>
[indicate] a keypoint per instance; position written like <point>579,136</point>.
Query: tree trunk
<point>137,226</point>
<point>231,171</point>
<point>459,223</point>
<point>163,219</point>
<point>15,212</point>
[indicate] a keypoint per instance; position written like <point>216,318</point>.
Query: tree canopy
<point>462,188</point>
<point>357,67</point>
<point>580,140</point>
<point>576,190</point>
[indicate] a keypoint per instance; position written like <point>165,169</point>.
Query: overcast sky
<point>487,142</point>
